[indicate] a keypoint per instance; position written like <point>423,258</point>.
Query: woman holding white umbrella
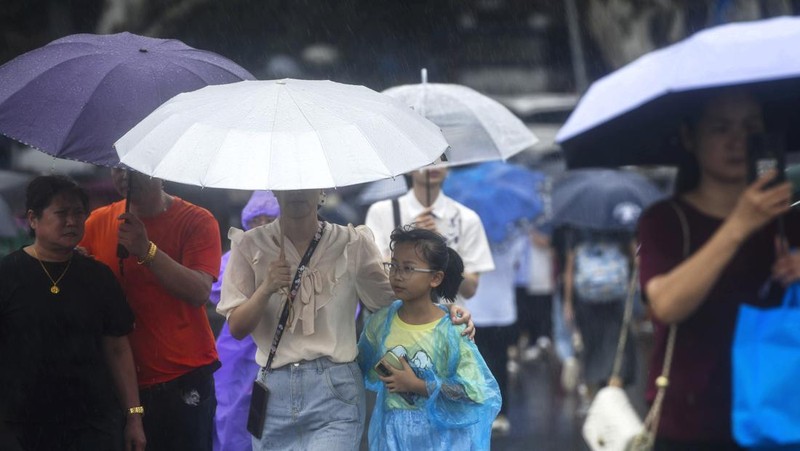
<point>297,281</point>
<point>316,390</point>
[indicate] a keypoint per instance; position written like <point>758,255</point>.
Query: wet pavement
<point>543,417</point>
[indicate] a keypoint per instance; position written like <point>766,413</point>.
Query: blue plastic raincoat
<point>463,400</point>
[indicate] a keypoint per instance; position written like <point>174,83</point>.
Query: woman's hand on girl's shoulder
<point>460,315</point>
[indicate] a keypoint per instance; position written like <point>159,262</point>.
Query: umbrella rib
<point>310,124</point>
<point>217,155</point>
<point>402,131</point>
<point>44,73</point>
<point>215,64</point>
<point>83,111</point>
<point>272,135</point>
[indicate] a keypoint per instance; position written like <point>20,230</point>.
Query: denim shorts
<point>313,405</point>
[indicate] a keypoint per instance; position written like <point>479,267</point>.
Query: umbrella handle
<point>427,188</point>
<point>122,252</point>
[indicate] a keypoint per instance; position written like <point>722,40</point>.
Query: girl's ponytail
<point>453,276</point>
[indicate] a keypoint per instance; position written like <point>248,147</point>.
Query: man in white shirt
<point>458,224</point>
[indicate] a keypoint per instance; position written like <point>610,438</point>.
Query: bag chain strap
<point>653,417</point>
<point>626,322</point>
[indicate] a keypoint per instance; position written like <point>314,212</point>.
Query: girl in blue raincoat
<point>435,391</point>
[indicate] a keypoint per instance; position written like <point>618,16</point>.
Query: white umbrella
<point>280,135</point>
<point>631,115</point>
<point>477,127</point>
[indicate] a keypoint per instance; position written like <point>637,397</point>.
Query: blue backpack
<point>601,272</point>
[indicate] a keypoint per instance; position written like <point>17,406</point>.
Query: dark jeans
<point>534,314</point>
<point>671,445</point>
<point>493,343</point>
<point>179,414</point>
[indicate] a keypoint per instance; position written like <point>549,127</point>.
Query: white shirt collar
<point>415,207</point>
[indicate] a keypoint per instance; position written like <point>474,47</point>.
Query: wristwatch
<point>137,410</point>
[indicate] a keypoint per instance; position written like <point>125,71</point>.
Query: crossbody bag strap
<point>287,306</point>
<point>662,381</point>
<point>626,323</point>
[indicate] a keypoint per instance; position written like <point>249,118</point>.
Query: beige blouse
<point>345,267</point>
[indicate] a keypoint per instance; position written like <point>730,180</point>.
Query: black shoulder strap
<point>292,292</point>
<point>396,212</point>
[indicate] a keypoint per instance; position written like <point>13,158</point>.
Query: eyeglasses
<point>404,271</point>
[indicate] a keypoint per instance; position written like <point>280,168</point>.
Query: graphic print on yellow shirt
<point>416,344</point>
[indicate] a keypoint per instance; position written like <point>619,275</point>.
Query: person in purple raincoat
<point>235,378</point>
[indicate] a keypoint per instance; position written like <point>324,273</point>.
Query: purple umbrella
<point>74,97</point>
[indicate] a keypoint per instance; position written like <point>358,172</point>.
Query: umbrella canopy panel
<point>602,199</point>
<point>75,96</point>
<point>507,197</point>
<point>632,115</point>
<point>281,134</point>
<point>477,127</point>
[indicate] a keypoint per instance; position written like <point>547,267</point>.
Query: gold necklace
<point>54,289</point>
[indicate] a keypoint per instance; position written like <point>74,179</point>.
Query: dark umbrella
<point>601,199</point>
<point>632,116</point>
<point>74,97</point>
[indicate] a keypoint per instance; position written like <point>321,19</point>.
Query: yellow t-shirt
<point>416,342</point>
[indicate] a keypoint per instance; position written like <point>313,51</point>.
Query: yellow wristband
<point>138,410</point>
<point>151,255</point>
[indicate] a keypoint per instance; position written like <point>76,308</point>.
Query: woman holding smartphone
<point>734,251</point>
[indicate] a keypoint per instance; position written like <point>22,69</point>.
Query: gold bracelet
<point>151,255</point>
<point>137,410</point>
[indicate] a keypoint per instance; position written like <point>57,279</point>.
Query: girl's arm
<point>678,293</point>
<point>467,395</point>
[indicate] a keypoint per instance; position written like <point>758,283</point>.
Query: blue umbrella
<point>74,97</point>
<point>505,196</point>
<point>602,199</point>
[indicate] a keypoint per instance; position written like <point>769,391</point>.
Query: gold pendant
<point>54,289</point>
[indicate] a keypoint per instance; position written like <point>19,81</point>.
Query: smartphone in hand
<point>382,368</point>
<point>765,152</point>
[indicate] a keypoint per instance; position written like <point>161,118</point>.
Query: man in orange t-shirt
<point>175,251</point>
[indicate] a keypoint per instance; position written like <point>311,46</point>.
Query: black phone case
<point>258,409</point>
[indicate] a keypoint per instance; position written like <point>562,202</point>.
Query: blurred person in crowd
<point>64,326</point>
<point>434,389</point>
<point>597,273</point>
<point>175,252</point>
<point>461,226</point>
<point>494,311</point>
<point>316,389</point>
<point>234,380</point>
<point>734,251</point>
<point>534,297</point>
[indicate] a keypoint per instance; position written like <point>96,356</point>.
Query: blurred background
<point>536,57</point>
